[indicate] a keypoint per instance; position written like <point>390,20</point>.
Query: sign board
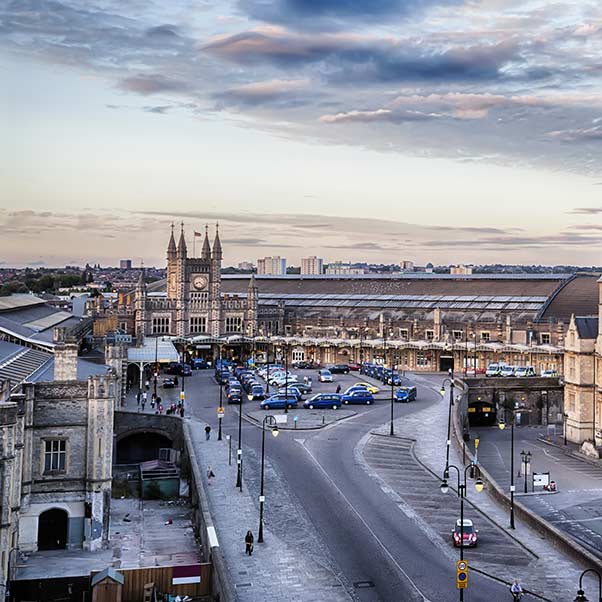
<point>541,479</point>
<point>221,412</point>
<point>281,418</point>
<point>462,574</point>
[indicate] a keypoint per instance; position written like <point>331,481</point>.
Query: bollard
<point>295,421</point>
<point>323,419</point>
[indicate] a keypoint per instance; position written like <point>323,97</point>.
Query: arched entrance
<point>141,447</point>
<point>53,526</point>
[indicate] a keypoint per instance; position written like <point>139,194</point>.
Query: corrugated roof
<point>18,300</point>
<point>164,351</point>
<point>48,321</point>
<point>587,327</point>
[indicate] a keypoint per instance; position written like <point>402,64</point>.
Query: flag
<point>197,233</point>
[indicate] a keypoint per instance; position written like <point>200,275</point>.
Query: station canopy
<point>161,349</point>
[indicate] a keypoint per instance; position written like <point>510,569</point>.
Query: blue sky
<point>431,130</point>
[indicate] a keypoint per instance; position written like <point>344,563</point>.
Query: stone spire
<point>217,245</point>
<point>206,252</point>
<point>182,243</point>
<point>171,247</point>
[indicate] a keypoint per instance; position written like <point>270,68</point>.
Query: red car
<point>470,534</point>
<point>354,367</point>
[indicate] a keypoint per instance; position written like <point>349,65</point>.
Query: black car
<point>168,383</point>
<point>234,396</point>
<point>338,369</point>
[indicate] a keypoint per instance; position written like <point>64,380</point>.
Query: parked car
<point>405,394</point>
<point>199,363</point>
<point>470,534</point>
<point>301,387</point>
<point>358,396</point>
<point>395,377</point>
<point>292,391</point>
<point>338,369</point>
<point>507,371</point>
<point>325,376</point>
<point>549,373</point>
<point>323,400</point>
<point>524,371</point>
<point>278,401</point>
<point>303,365</point>
<point>281,381</point>
<point>494,369</point>
<point>354,366</point>
<point>370,387</point>
<point>168,383</point>
<point>234,396</point>
<point>178,369</point>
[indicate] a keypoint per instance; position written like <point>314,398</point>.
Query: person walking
<point>207,433</point>
<point>210,474</point>
<point>249,543</point>
<point>181,411</point>
<point>138,397</point>
<point>143,404</point>
<point>338,389</point>
<point>147,384</point>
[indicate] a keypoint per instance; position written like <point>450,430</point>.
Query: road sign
<point>182,395</point>
<point>221,412</point>
<point>462,574</point>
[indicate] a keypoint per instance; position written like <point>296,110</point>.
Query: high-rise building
<point>125,264</point>
<point>462,270</point>
<point>312,265</point>
<point>406,266</point>
<point>276,266</point>
<point>344,269</point>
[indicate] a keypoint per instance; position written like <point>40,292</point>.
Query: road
<point>383,554</point>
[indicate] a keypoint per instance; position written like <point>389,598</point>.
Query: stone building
<point>583,377</point>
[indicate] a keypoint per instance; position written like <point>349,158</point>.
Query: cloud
<point>593,134</point>
<point>151,84</point>
<point>320,14</point>
<point>386,115</point>
<point>586,211</point>
<point>160,109</point>
<point>272,92</point>
<point>163,31</point>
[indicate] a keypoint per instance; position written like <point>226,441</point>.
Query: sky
<point>443,131</point>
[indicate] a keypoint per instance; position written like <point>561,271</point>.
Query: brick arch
<point>141,431</point>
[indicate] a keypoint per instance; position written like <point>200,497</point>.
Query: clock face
<point>199,282</point>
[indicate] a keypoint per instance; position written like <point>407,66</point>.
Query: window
<point>161,325</point>
<point>55,455</point>
<point>298,354</point>
<point>545,338</point>
<point>458,335</point>
<point>430,335</point>
<point>199,297</point>
<point>485,336</point>
<point>123,326</point>
<point>572,367</point>
<point>404,334</point>
<point>422,359</point>
<point>234,324</point>
<point>571,407</point>
<point>198,324</point>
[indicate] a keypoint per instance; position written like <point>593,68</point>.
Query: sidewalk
<point>551,574</point>
<point>291,565</point>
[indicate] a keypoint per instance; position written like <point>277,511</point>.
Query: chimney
<point>65,356</point>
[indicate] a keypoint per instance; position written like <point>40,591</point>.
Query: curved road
<point>381,551</point>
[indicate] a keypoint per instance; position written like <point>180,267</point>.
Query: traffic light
<point>462,574</point>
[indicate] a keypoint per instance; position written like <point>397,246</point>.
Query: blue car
<point>405,394</point>
<point>323,400</point>
<point>358,396</point>
<point>256,392</point>
<point>234,396</point>
<point>278,402</point>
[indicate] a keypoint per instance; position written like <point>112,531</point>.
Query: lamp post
<point>156,370</point>
<point>267,388</point>
<point>581,593</point>
<point>565,417</point>
<point>182,392</point>
<point>271,422</point>
<point>526,460</point>
<point>391,429</point>
<point>502,426</point>
<point>221,405</point>
<point>449,381</point>
<point>285,347</point>
<point>239,449</point>
<point>444,487</point>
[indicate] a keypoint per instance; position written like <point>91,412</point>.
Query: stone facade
<point>583,378</point>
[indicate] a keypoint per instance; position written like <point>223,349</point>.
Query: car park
<point>168,383</point>
<point>469,532</point>
<point>358,396</point>
<point>507,371</point>
<point>338,369</point>
<point>369,386</point>
<point>323,400</point>
<point>405,394</point>
<point>278,401</point>
<point>524,371</point>
<point>325,376</point>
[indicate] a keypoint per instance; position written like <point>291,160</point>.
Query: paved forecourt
<point>521,553</point>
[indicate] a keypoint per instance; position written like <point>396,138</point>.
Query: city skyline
<point>450,133</point>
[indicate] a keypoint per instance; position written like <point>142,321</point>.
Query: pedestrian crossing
<point>394,462</point>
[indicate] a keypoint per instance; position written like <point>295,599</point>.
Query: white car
<point>523,371</point>
<point>493,369</point>
<point>282,380</point>
<point>549,373</point>
<point>325,376</point>
<point>507,371</point>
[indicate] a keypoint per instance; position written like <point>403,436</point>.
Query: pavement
<point>301,419</point>
<point>290,565</point>
<point>523,553</point>
<point>142,540</point>
<point>575,508</point>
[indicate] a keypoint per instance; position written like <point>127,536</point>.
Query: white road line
<point>380,543</point>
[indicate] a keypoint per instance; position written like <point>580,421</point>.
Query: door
<point>52,529</point>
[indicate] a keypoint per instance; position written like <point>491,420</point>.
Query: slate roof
<point>84,369</point>
<point>587,327</point>
<point>109,573</point>
<point>578,295</point>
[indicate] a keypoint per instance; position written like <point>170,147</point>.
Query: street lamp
<point>239,449</point>
<point>182,392</point>
<point>285,346</point>
<point>581,593</point>
<point>391,429</point>
<point>156,370</point>
<point>444,487</point>
<point>221,405</point>
<point>449,381</point>
<point>565,417</point>
<point>526,460</point>
<point>271,422</point>
<point>502,426</point>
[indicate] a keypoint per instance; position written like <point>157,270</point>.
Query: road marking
<point>359,516</point>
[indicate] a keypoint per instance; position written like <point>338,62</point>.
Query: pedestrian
<point>304,382</point>
<point>175,381</point>
<point>153,397</point>
<point>249,543</point>
<point>144,397</point>
<point>207,433</point>
<point>153,401</point>
<point>181,411</point>
<point>210,474</point>
<point>309,380</point>
<point>160,409</point>
<point>338,388</point>
<point>143,404</point>
<point>147,384</point>
<point>138,396</point>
